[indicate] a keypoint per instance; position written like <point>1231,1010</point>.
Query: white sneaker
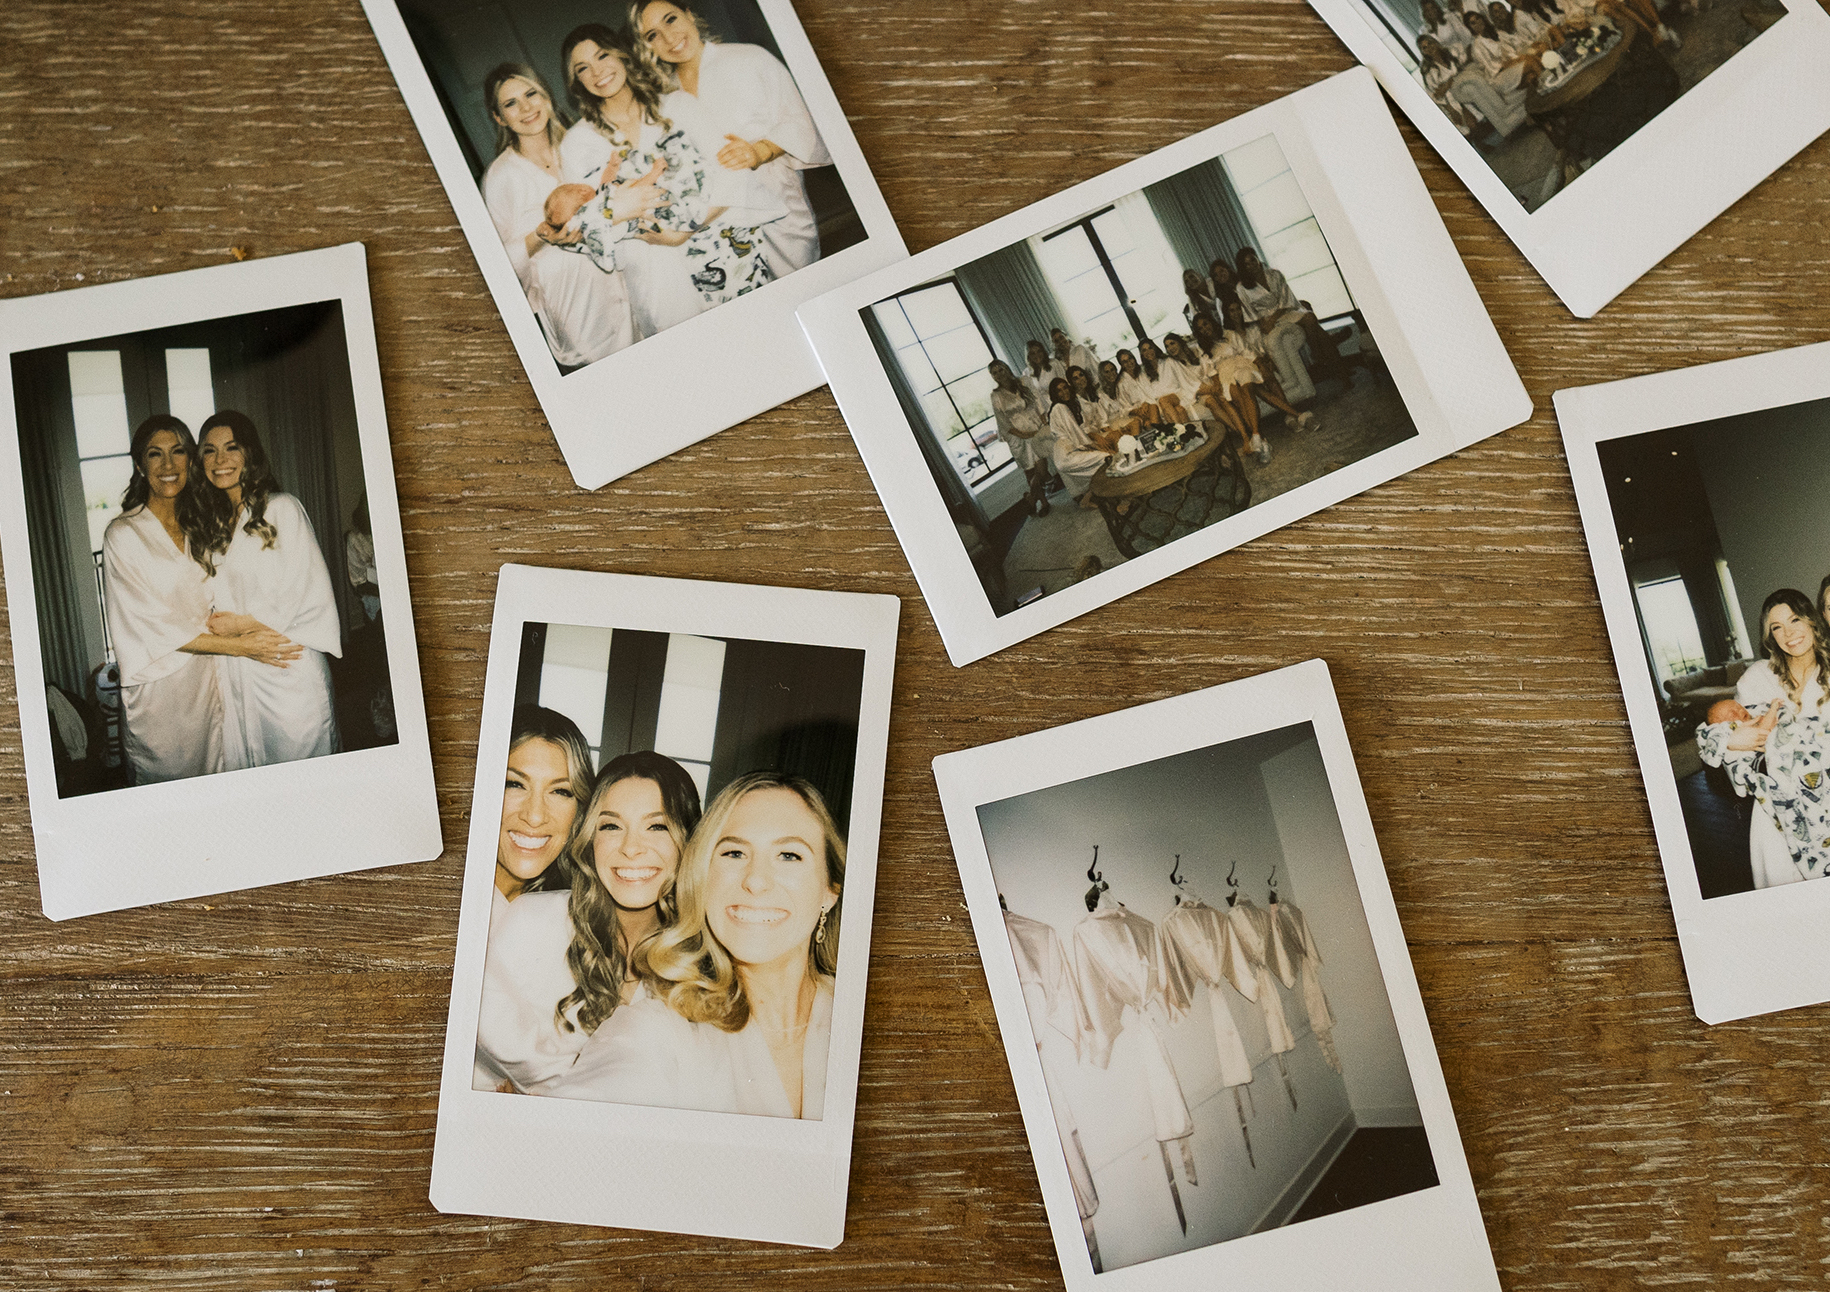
<point>1264,451</point>
<point>1305,421</point>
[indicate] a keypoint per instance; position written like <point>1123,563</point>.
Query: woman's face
<point>1476,23</point>
<point>1221,272</point>
<point>633,848</point>
<point>1149,351</point>
<point>766,884</point>
<point>1000,373</point>
<point>222,458</point>
<point>1191,281</point>
<point>1038,357</point>
<point>1498,14</point>
<point>1204,328</point>
<point>538,805</point>
<point>1426,45</point>
<point>1059,392</point>
<point>1793,633</point>
<point>167,464</point>
<point>597,70</point>
<point>522,106</point>
<point>1082,383</point>
<point>1128,363</point>
<point>671,33</point>
<point>1432,14</point>
<point>1235,315</point>
<point>1172,344</point>
<point>1108,371</point>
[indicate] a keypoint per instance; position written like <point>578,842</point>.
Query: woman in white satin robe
<point>269,574</point>
<point>737,1011</point>
<point>743,110</point>
<point>1077,460</point>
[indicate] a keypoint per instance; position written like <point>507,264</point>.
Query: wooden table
<point>1211,471</point>
<point>238,1093</point>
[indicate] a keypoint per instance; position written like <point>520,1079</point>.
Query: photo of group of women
<point>642,162</point>
<point>1727,551</point>
<point>1544,89</point>
<point>664,928</point>
<point>203,563</point>
<point>1110,385</point>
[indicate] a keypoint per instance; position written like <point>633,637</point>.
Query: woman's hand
<point>746,154</point>
<point>665,237</point>
<point>267,646</point>
<point>633,201</point>
<point>1752,735</point>
<point>226,624</point>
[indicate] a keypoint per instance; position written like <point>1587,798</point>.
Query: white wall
<point>1259,802</point>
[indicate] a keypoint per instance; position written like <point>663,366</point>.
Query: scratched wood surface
<point>240,1093</point>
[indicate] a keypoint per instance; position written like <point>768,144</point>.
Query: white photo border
<point>621,413</point>
<point>735,1176</point>
<point>261,825</point>
<point>1748,953</point>
<point>1429,1241</point>
<point>1674,175</point>
<point>1435,336</point>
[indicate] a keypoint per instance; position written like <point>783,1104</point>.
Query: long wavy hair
<point>1781,663</point>
<point>704,983</point>
<point>501,74</point>
<point>1064,395</point>
<point>661,71</point>
<point>192,502</point>
<point>600,963</point>
<point>1149,357</point>
<point>644,83</point>
<point>258,485</point>
<point>531,722</point>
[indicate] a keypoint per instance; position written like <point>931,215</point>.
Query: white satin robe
<point>1293,955</point>
<point>1250,972</point>
<point>1198,944</point>
<point>1072,452</point>
<point>525,976</point>
<point>271,714</point>
<point>745,91</point>
<point>585,311</point>
<point>158,600</point>
<point>1053,998</point>
<point>1118,958</point>
<point>646,1054</point>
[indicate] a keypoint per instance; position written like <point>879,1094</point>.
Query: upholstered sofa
<point>1690,695</point>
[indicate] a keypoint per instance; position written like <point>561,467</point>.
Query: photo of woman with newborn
<point>650,944</point>
<point>676,167</point>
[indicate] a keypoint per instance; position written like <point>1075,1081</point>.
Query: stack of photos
<point>1214,1030</point>
<point>206,577</point>
<point>1528,99</point>
<point>626,172</point>
<point>1163,363</point>
<point>1712,551</point>
<point>677,835</point>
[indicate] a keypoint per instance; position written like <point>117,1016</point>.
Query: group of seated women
<point>1065,413</point>
<point>677,188</point>
<point>643,951</point>
<point>1479,64</point>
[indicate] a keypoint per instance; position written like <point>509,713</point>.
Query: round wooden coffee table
<point>1590,77</point>
<point>1165,500</point>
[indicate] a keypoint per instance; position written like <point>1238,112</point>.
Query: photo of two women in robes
<point>203,566</point>
<point>670,868</point>
<point>642,162</point>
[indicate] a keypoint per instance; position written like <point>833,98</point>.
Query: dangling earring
<point>819,930</point>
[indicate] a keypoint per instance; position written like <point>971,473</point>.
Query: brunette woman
<point>1022,425</point>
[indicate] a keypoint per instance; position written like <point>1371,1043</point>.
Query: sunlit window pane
<point>936,310</point>
<point>895,325</point>
<point>941,415</point>
<point>972,396</point>
<point>191,398</point>
<point>690,688</point>
<point>573,675</point>
<point>944,357</point>
<point>958,352</point>
<point>917,369</point>
<point>104,480</point>
<point>1276,205</point>
<point>1671,627</point>
<point>98,401</point>
<point>1253,164</point>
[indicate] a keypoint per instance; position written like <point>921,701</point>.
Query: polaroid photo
<point>666,921</point>
<point>1600,134</point>
<point>643,185</point>
<point>1711,546</point>
<point>1218,1047</point>
<point>218,684</point>
<point>1268,317</point>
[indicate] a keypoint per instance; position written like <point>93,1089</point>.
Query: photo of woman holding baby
<point>677,168</point>
<point>676,958</point>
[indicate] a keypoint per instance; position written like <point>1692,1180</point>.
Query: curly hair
<point>645,84</point>
<point>1781,663</point>
<point>705,985</point>
<point>193,505</point>
<point>531,722</point>
<point>664,72</point>
<point>600,963</point>
<point>258,484</point>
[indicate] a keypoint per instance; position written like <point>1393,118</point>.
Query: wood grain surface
<point>239,1093</point>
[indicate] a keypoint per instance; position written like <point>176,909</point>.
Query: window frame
<point>978,454</point>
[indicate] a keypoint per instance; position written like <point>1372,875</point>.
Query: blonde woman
<point>743,110</point>
<point>737,1016</point>
<point>563,962</point>
<point>584,310</point>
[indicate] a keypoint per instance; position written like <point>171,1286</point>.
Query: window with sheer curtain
<point>944,352</point>
<point>1115,273</point>
<point>1289,238</point>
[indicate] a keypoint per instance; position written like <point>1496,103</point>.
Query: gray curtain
<point>63,575</point>
<point>1012,297</point>
<point>289,371</point>
<point>940,465</point>
<point>1201,215</point>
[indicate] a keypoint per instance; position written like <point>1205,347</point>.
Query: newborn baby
<point>564,203</point>
<point>1727,711</point>
<point>576,220</point>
